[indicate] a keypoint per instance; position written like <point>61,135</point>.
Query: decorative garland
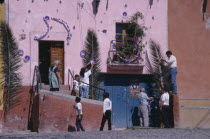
<point>127,60</point>
<point>46,20</point>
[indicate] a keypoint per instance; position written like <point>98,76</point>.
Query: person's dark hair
<point>77,99</point>
<point>106,95</point>
<point>82,72</point>
<point>76,76</point>
<point>163,89</point>
<point>169,53</point>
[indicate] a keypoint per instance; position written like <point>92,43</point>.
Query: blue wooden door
<point>120,100</point>
<point>118,89</point>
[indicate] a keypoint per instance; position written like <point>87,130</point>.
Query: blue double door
<point>125,109</point>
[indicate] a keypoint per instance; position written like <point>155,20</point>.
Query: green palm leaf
<point>156,68</point>
<point>11,64</point>
<point>92,49</point>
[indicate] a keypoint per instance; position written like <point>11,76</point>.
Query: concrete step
<point>62,87</point>
<point>5,131</point>
<point>66,92</point>
<point>67,96</point>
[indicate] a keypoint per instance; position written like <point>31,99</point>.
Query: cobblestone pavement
<point>123,134</point>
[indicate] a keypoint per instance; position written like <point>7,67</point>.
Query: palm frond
<point>154,66</point>
<point>92,49</point>
<point>148,64</point>
<point>11,64</point>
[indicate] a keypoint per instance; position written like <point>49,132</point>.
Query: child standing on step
<point>79,114</point>
<point>75,91</point>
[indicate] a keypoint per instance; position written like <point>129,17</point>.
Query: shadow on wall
<point>171,112</point>
<point>135,117</point>
<point>107,4</point>
<point>95,5</point>
<point>150,3</point>
<point>33,123</point>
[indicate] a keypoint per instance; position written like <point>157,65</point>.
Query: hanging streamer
<point>46,20</point>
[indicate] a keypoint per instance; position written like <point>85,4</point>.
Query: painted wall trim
<point>196,108</point>
<point>194,99</point>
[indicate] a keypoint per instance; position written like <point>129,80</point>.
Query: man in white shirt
<point>164,106</point>
<point>107,107</point>
<point>172,63</point>
<point>144,113</point>
<point>79,114</point>
<point>84,79</point>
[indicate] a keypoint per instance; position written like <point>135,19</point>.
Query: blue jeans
<point>173,79</point>
<point>84,91</point>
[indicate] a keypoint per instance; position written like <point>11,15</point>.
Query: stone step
<point>5,131</point>
<point>62,87</point>
<point>66,92</point>
<point>67,96</point>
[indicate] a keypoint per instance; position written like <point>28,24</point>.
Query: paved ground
<point>124,134</point>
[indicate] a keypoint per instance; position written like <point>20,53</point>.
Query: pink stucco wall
<point>31,24</point>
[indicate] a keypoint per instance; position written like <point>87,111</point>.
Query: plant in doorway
<point>92,52</point>
<point>10,65</point>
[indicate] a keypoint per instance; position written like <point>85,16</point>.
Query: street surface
<point>122,134</point>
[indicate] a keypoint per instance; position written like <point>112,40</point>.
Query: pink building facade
<point>26,20</point>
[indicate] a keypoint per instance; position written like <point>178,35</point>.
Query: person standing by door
<point>79,114</point>
<point>54,76</point>
<point>84,79</point>
<point>107,107</point>
<point>144,113</point>
<point>172,63</point>
<point>164,107</point>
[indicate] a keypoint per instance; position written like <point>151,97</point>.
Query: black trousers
<point>165,114</point>
<point>79,123</point>
<point>106,116</point>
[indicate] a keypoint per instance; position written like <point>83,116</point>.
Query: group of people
<point>107,107</point>
<point>144,108</point>
<point>80,83</point>
<point>164,99</point>
<point>81,89</point>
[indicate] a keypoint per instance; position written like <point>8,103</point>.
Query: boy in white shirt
<point>79,114</point>
<point>107,107</point>
<point>76,86</point>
